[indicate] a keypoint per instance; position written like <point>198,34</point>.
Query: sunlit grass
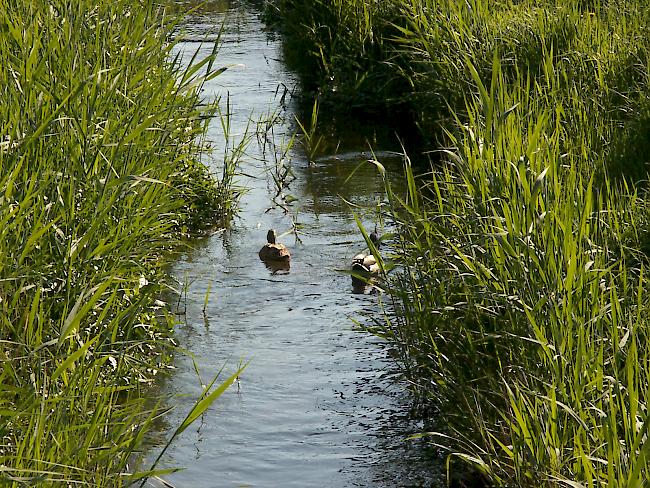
<point>520,302</point>
<point>99,178</point>
<point>520,286</point>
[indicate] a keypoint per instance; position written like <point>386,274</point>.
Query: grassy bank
<point>99,179</point>
<point>344,54</point>
<point>521,268</point>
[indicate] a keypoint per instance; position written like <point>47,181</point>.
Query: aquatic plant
<point>276,154</point>
<point>309,138</point>
<point>99,178</point>
<point>233,152</point>
<point>519,300</point>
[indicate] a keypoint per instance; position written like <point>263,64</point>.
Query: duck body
<point>274,251</point>
<point>365,264</point>
<point>365,269</point>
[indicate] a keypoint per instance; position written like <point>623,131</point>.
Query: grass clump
<point>407,57</point>
<point>520,283</point>
<point>99,178</point>
<point>520,302</point>
<point>343,50</point>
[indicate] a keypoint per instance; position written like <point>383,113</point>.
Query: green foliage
<point>407,56</point>
<point>518,302</point>
<point>99,177</point>
<point>519,294</point>
<point>342,49</point>
<point>310,140</point>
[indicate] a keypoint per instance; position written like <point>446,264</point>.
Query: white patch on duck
<point>365,262</point>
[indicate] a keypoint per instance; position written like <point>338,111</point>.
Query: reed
<point>99,178</point>
<point>520,300</point>
<point>310,140</point>
<point>342,50</point>
<point>519,307</point>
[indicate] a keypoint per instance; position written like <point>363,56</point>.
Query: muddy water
<point>316,405</point>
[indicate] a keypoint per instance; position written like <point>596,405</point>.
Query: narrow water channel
<point>316,406</point>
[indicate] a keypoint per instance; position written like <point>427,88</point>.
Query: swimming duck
<point>273,251</point>
<point>365,263</point>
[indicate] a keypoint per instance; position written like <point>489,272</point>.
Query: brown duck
<point>274,251</point>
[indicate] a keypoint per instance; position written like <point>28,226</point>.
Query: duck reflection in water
<point>360,287</point>
<point>278,267</point>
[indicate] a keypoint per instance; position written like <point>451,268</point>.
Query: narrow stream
<point>316,406</point>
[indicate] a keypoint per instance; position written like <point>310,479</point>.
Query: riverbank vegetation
<point>520,305</point>
<point>100,135</point>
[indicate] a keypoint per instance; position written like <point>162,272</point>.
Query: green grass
<point>519,303</point>
<point>342,50</point>
<point>99,180</point>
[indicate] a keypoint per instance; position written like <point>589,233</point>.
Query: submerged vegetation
<point>99,179</point>
<point>520,305</point>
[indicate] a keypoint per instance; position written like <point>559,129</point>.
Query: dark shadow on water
<point>278,267</point>
<point>364,285</point>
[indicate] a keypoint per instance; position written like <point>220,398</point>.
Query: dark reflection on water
<point>316,406</point>
<point>278,267</point>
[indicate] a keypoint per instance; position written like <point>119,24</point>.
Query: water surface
<point>316,405</point>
